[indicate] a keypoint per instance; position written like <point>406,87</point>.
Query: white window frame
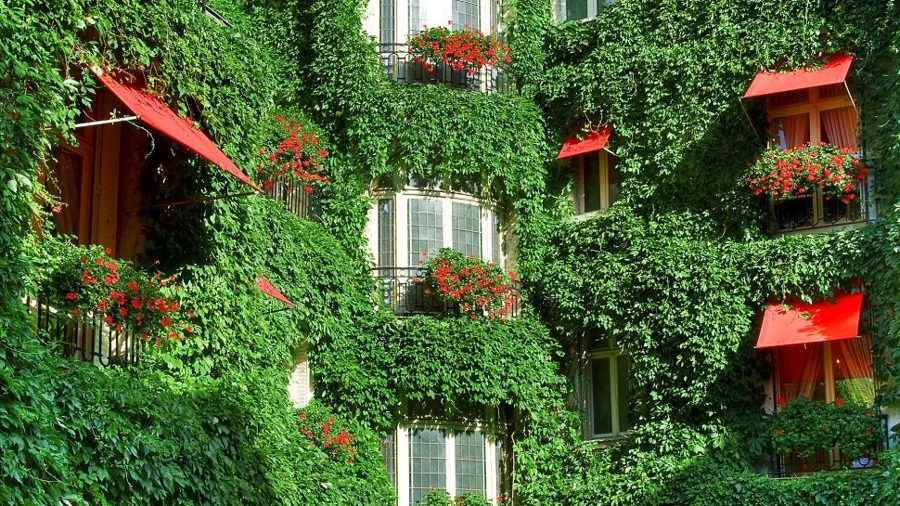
<point>402,458</point>
<point>401,223</point>
<point>613,355</point>
<point>592,10</point>
<point>579,191</point>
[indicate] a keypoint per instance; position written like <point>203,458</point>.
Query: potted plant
<point>462,50</point>
<point>477,287</point>
<point>800,171</point>
<point>803,427</point>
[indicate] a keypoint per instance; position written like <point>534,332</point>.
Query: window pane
<point>591,182</point>
<point>426,233</point>
<point>576,9</point>
<point>791,131</point>
<point>470,463</point>
<point>497,246</point>
<point>427,462</point>
<point>800,372</point>
<point>601,396</point>
<point>467,13</point>
<point>386,233</point>
<point>467,229</point>
<point>415,21</point>
<point>388,451</point>
<point>386,31</point>
<point>623,388</point>
<point>853,373</point>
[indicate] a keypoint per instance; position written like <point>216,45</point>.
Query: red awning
<point>594,141</point>
<point>833,72</point>
<point>156,114</point>
<point>800,323</point>
<point>267,288</point>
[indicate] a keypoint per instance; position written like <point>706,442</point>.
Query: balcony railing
<point>815,211</point>
<point>90,341</point>
<point>791,465</point>
<point>405,297</point>
<point>294,198</point>
<point>398,65</point>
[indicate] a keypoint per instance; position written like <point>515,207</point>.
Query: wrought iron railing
<point>399,66</point>
<point>299,202</point>
<point>792,465</point>
<point>90,341</point>
<point>405,296</point>
<point>817,211</point>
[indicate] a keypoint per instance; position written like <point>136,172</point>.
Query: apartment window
<point>467,13</point>
<point>387,22</point>
<point>385,233</point>
<point>581,9</point>
<point>454,459</point>
<point>607,388</point>
<point>819,114</point>
<point>827,371</point>
<point>425,228</point>
<point>596,182</point>
<point>415,18</point>
<point>467,229</point>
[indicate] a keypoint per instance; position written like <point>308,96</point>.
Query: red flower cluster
<point>126,298</point>
<point>465,49</point>
<point>321,436</point>
<point>297,157</point>
<point>479,287</point>
<point>799,171</point>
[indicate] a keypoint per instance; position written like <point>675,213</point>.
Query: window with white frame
<point>467,13</point>
<point>596,181</point>
<point>812,115</point>
<point>456,459</point>
<point>606,389</point>
<point>580,9</point>
<point>413,224</point>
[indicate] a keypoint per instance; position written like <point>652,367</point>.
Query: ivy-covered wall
<point>677,271</point>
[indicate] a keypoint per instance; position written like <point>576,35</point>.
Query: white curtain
<point>840,126</point>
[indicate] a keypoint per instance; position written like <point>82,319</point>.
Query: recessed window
<point>606,388</point>
<point>827,371</point>
<point>596,181</point>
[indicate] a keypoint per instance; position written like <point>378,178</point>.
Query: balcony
<point>405,297</point>
<point>815,212</point>
<point>398,66</point>
<point>791,465</point>
<point>91,341</point>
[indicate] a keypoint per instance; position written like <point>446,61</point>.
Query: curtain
<point>856,357</point>
<point>792,131</point>
<point>800,372</point>
<point>840,126</point>
<point>67,172</point>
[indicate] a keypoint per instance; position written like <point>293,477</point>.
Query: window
<point>425,228</point>
<point>580,9</point>
<point>455,459</point>
<point>467,13</point>
<point>606,388</point>
<point>596,181</point>
<point>820,114</point>
<point>467,229</point>
<point>387,33</point>
<point>385,233</point>
<point>827,371</point>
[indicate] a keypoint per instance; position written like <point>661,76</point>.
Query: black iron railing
<point>402,291</point>
<point>89,341</point>
<point>399,66</point>
<point>801,212</point>
<point>792,465</point>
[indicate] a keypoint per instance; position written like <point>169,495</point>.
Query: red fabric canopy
<point>156,114</point>
<point>833,72</point>
<point>595,141</point>
<point>801,323</point>
<point>267,288</point>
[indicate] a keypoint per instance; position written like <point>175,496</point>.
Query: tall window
<point>467,229</point>
<point>596,182</point>
<point>425,228</point>
<point>415,18</point>
<point>827,371</point>
<point>454,459</point>
<point>820,114</point>
<point>386,233</point>
<point>387,22</point>
<point>467,13</point>
<point>607,389</point>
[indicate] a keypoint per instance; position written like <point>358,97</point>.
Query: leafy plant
<point>442,498</point>
<point>297,158</point>
<point>466,49</point>
<point>803,426</point>
<point>480,288</point>
<point>798,171</point>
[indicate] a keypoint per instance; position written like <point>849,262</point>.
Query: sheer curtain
<point>792,131</point>
<point>800,372</point>
<point>840,126</point>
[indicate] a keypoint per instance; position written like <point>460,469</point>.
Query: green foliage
<point>477,287</point>
<point>804,426</point>
<point>442,498</point>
